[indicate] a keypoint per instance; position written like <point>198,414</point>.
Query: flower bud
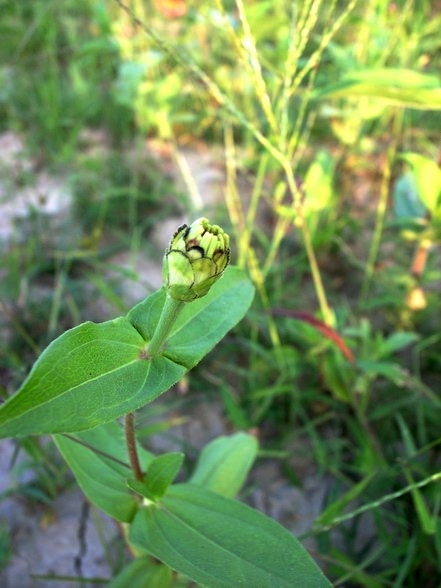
<point>196,257</point>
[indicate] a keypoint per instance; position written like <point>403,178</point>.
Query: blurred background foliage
<point>327,119</point>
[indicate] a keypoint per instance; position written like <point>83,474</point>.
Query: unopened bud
<point>195,259</point>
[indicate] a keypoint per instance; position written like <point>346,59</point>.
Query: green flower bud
<point>196,257</point>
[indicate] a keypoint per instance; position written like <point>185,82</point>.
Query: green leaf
<point>339,376</point>
<point>438,538</point>
<point>207,320</point>
<point>223,464</point>
<point>407,203</point>
<point>427,177</point>
<point>406,435</point>
<point>143,572</point>
<point>101,478</point>
<point>396,342</point>
<point>220,543</point>
<point>144,316</point>
<point>397,86</point>
<point>318,184</point>
<point>96,373</point>
<point>202,323</point>
<point>90,375</point>
<point>427,521</point>
<point>352,572</point>
<point>387,369</point>
<point>337,507</point>
<point>160,474</point>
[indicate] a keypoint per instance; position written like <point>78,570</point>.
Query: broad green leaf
<point>398,86</point>
<point>223,464</point>
<point>160,474</point>
<point>205,321</point>
<point>90,375</point>
<point>318,184</point>
<point>96,373</point>
<point>145,315</point>
<point>407,203</point>
<point>101,478</point>
<point>427,177</point>
<point>143,573</point>
<point>220,543</point>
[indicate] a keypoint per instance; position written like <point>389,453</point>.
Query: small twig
<point>129,424</point>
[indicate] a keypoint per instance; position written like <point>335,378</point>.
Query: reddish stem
<point>131,446</point>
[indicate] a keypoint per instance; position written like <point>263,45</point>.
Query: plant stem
<point>169,314</point>
<point>379,224</point>
<point>131,446</point>
<point>309,249</point>
<point>381,212</point>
